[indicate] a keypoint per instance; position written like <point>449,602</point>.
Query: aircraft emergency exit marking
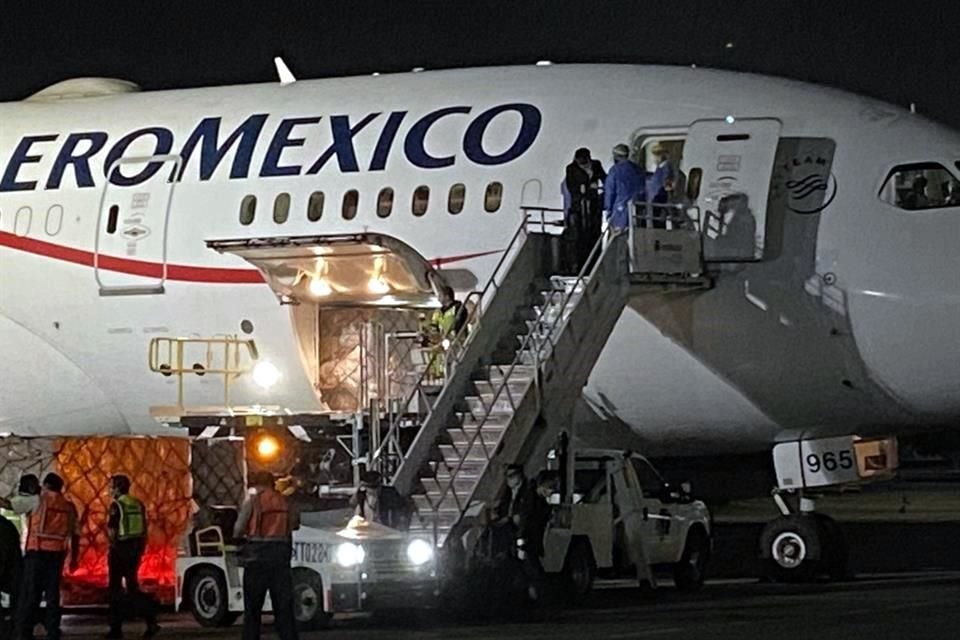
<point>78,151</point>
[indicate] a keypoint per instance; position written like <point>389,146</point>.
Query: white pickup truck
<point>358,568</point>
<point>622,518</point>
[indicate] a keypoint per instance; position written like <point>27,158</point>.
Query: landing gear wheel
<point>689,573</point>
<point>208,600</point>
<point>835,559</point>
<point>308,600</point>
<point>791,546</point>
<point>579,570</point>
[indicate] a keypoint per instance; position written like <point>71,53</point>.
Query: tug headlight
<point>350,555</point>
<point>267,448</point>
<point>419,552</point>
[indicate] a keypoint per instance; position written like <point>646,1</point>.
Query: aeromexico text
<point>51,160</point>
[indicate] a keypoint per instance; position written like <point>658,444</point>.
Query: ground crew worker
<point>18,508</point>
<point>11,562</point>
<point>267,521</point>
<point>626,183</point>
<point>26,500</point>
<point>127,531</point>
<point>375,502</point>
<point>51,528</point>
<point>445,325</point>
<point>518,518</point>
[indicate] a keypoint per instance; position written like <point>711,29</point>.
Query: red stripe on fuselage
<point>182,273</point>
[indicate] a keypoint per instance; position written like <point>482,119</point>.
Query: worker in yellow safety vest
<point>445,325</point>
<point>127,530</point>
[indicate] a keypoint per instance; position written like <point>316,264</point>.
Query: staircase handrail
<point>606,241</point>
<point>462,338</point>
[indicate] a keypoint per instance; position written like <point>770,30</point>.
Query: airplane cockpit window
<point>458,193</point>
<point>421,198</point>
<point>248,209</point>
<point>350,200</point>
<point>493,197</point>
<point>925,185</point>
<point>385,202</point>
<point>315,206</point>
<point>281,208</point>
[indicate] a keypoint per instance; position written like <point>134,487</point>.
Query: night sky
<point>902,52</point>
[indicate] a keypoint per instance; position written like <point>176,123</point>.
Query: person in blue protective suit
<point>662,181</point>
<point>625,183</point>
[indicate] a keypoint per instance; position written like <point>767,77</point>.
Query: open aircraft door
<point>130,251</point>
<point>728,164</point>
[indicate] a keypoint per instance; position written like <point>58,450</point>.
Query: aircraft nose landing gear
<point>800,547</point>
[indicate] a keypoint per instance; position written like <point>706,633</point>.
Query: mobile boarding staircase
<point>517,369</point>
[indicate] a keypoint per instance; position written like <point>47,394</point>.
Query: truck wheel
<point>579,570</point>
<point>208,598</point>
<point>308,600</point>
<point>791,548</point>
<point>689,573</point>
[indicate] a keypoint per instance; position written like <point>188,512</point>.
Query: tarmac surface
<point>897,606</point>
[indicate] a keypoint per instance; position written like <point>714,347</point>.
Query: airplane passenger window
<point>54,221</point>
<point>281,208</point>
<point>315,206</point>
<point>385,202</point>
<point>493,197</point>
<point>924,185</point>
<point>421,198</point>
<point>23,221</point>
<point>112,218</point>
<point>458,193</point>
<point>350,201</point>
<point>248,210</point>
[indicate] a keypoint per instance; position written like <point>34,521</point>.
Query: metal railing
<point>533,343</point>
<point>667,216</point>
<point>419,402</point>
<point>222,355</point>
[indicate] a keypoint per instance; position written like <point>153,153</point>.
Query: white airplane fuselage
<point>850,323</point>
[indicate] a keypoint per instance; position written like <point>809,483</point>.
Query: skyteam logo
<point>282,147</point>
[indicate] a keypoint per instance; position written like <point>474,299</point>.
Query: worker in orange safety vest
<point>51,529</point>
<point>267,521</point>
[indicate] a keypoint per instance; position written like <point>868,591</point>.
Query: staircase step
<point>468,421</point>
<point>471,467</point>
<point>449,499</point>
<point>549,317</point>
<point>490,434</point>
<point>496,373</point>
<point>445,521</point>
<point>517,386</point>
<point>527,355</point>
<point>452,456</point>
<point>426,505</point>
<point>480,407</point>
<point>505,402</point>
<point>462,485</point>
<point>563,283</point>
